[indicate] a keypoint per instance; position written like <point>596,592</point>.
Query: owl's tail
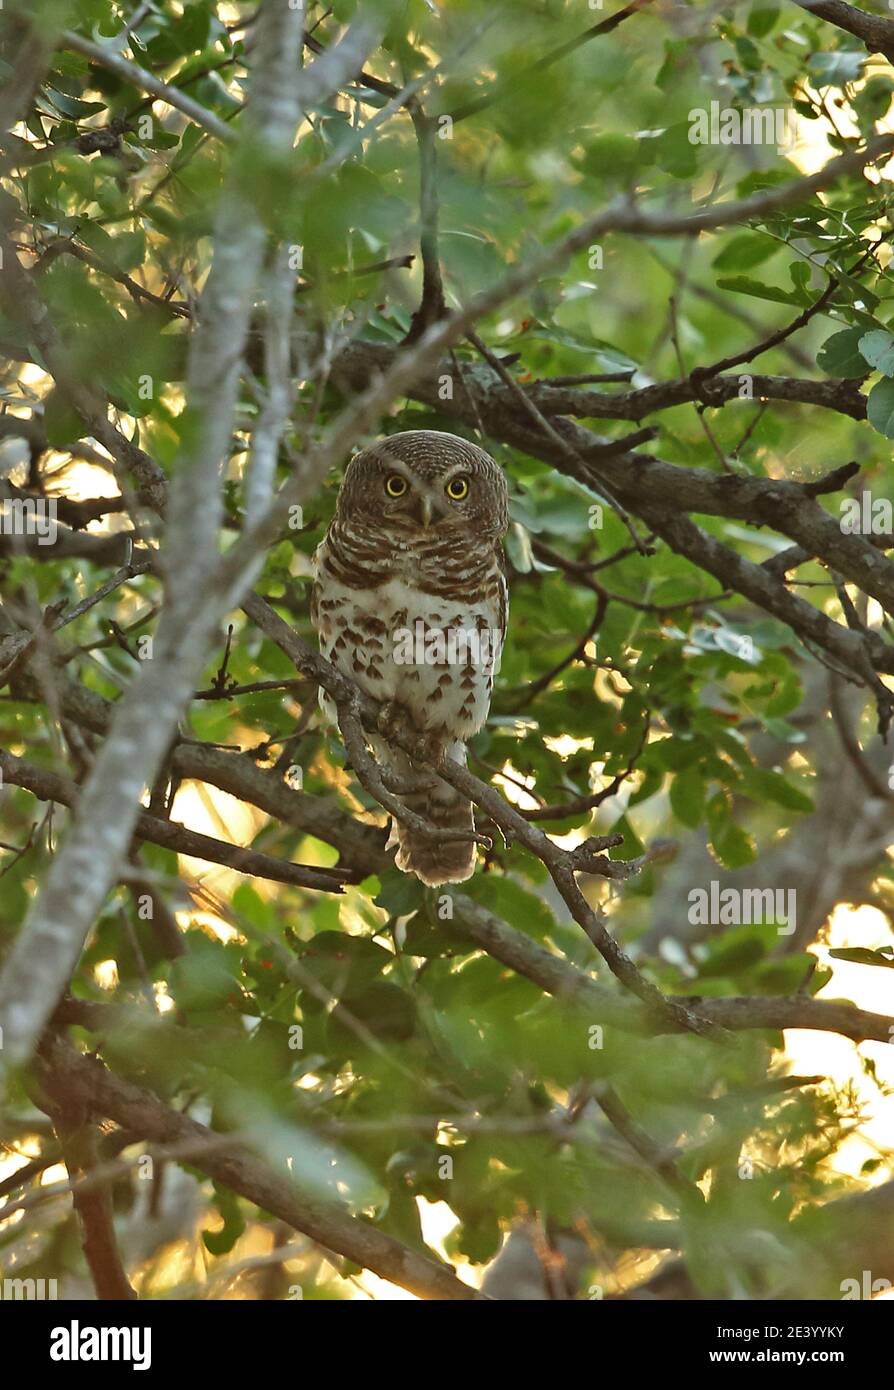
<point>435,861</point>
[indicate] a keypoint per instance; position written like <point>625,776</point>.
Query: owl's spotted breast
<point>425,636</point>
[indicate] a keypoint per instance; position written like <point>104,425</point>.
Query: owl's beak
<point>425,511</point>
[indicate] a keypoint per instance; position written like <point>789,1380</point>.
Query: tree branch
<point>50,786</point>
<point>47,948</point>
<point>102,1095</point>
<point>129,72</point>
<point>875,32</point>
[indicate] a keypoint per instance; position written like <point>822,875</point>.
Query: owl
<point>410,601</point>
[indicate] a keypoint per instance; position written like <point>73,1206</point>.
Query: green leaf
<point>835,69</point>
<point>192,30</point>
<point>129,250</point>
<point>429,940</point>
<point>874,98</point>
<point>399,893</point>
<point>785,732</point>
<point>511,900</point>
<point>762,19</point>
<point>744,251</point>
<point>632,845</point>
<point>674,151</point>
<point>880,407</point>
<point>62,423</point>
<point>613,155</point>
<point>862,955</point>
<point>340,961</point>
<point>222,1241</point>
<point>687,796</point>
<point>478,1240</point>
<point>741,284</point>
<point>518,548</point>
<point>799,274</point>
<point>737,949</point>
<point>840,354</point>
<point>731,845</point>
<point>877,348</point>
<point>764,785</point>
<point>786,974</point>
<point>386,1010</point>
<point>73,106</point>
<point>204,978</point>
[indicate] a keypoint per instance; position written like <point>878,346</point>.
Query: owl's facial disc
<point>421,502</point>
<point>426,483</point>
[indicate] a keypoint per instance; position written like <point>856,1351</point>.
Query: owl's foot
<point>393,782</point>
<point>392,716</point>
<point>429,748</point>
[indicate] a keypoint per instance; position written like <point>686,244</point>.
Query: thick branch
<point>102,1095</point>
<point>556,976</point>
<point>96,1219</point>
<point>50,786</point>
<point>46,950</point>
<point>876,33</point>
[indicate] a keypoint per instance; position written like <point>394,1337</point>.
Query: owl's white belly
<point>436,656</point>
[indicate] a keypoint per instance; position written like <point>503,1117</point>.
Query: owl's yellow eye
<point>458,488</point>
<point>395,485</point>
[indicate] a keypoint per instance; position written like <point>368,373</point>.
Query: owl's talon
<point>390,716</point>
<point>396,784</point>
<point>385,717</point>
<point>429,748</point>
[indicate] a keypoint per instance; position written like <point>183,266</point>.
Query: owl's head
<point>426,480</point>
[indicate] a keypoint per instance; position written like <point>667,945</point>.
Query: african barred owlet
<point>410,601</point>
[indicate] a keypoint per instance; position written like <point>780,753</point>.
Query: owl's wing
<point>315,592</point>
<point>503,599</point>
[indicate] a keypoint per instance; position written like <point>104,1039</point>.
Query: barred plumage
<point>410,601</point>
